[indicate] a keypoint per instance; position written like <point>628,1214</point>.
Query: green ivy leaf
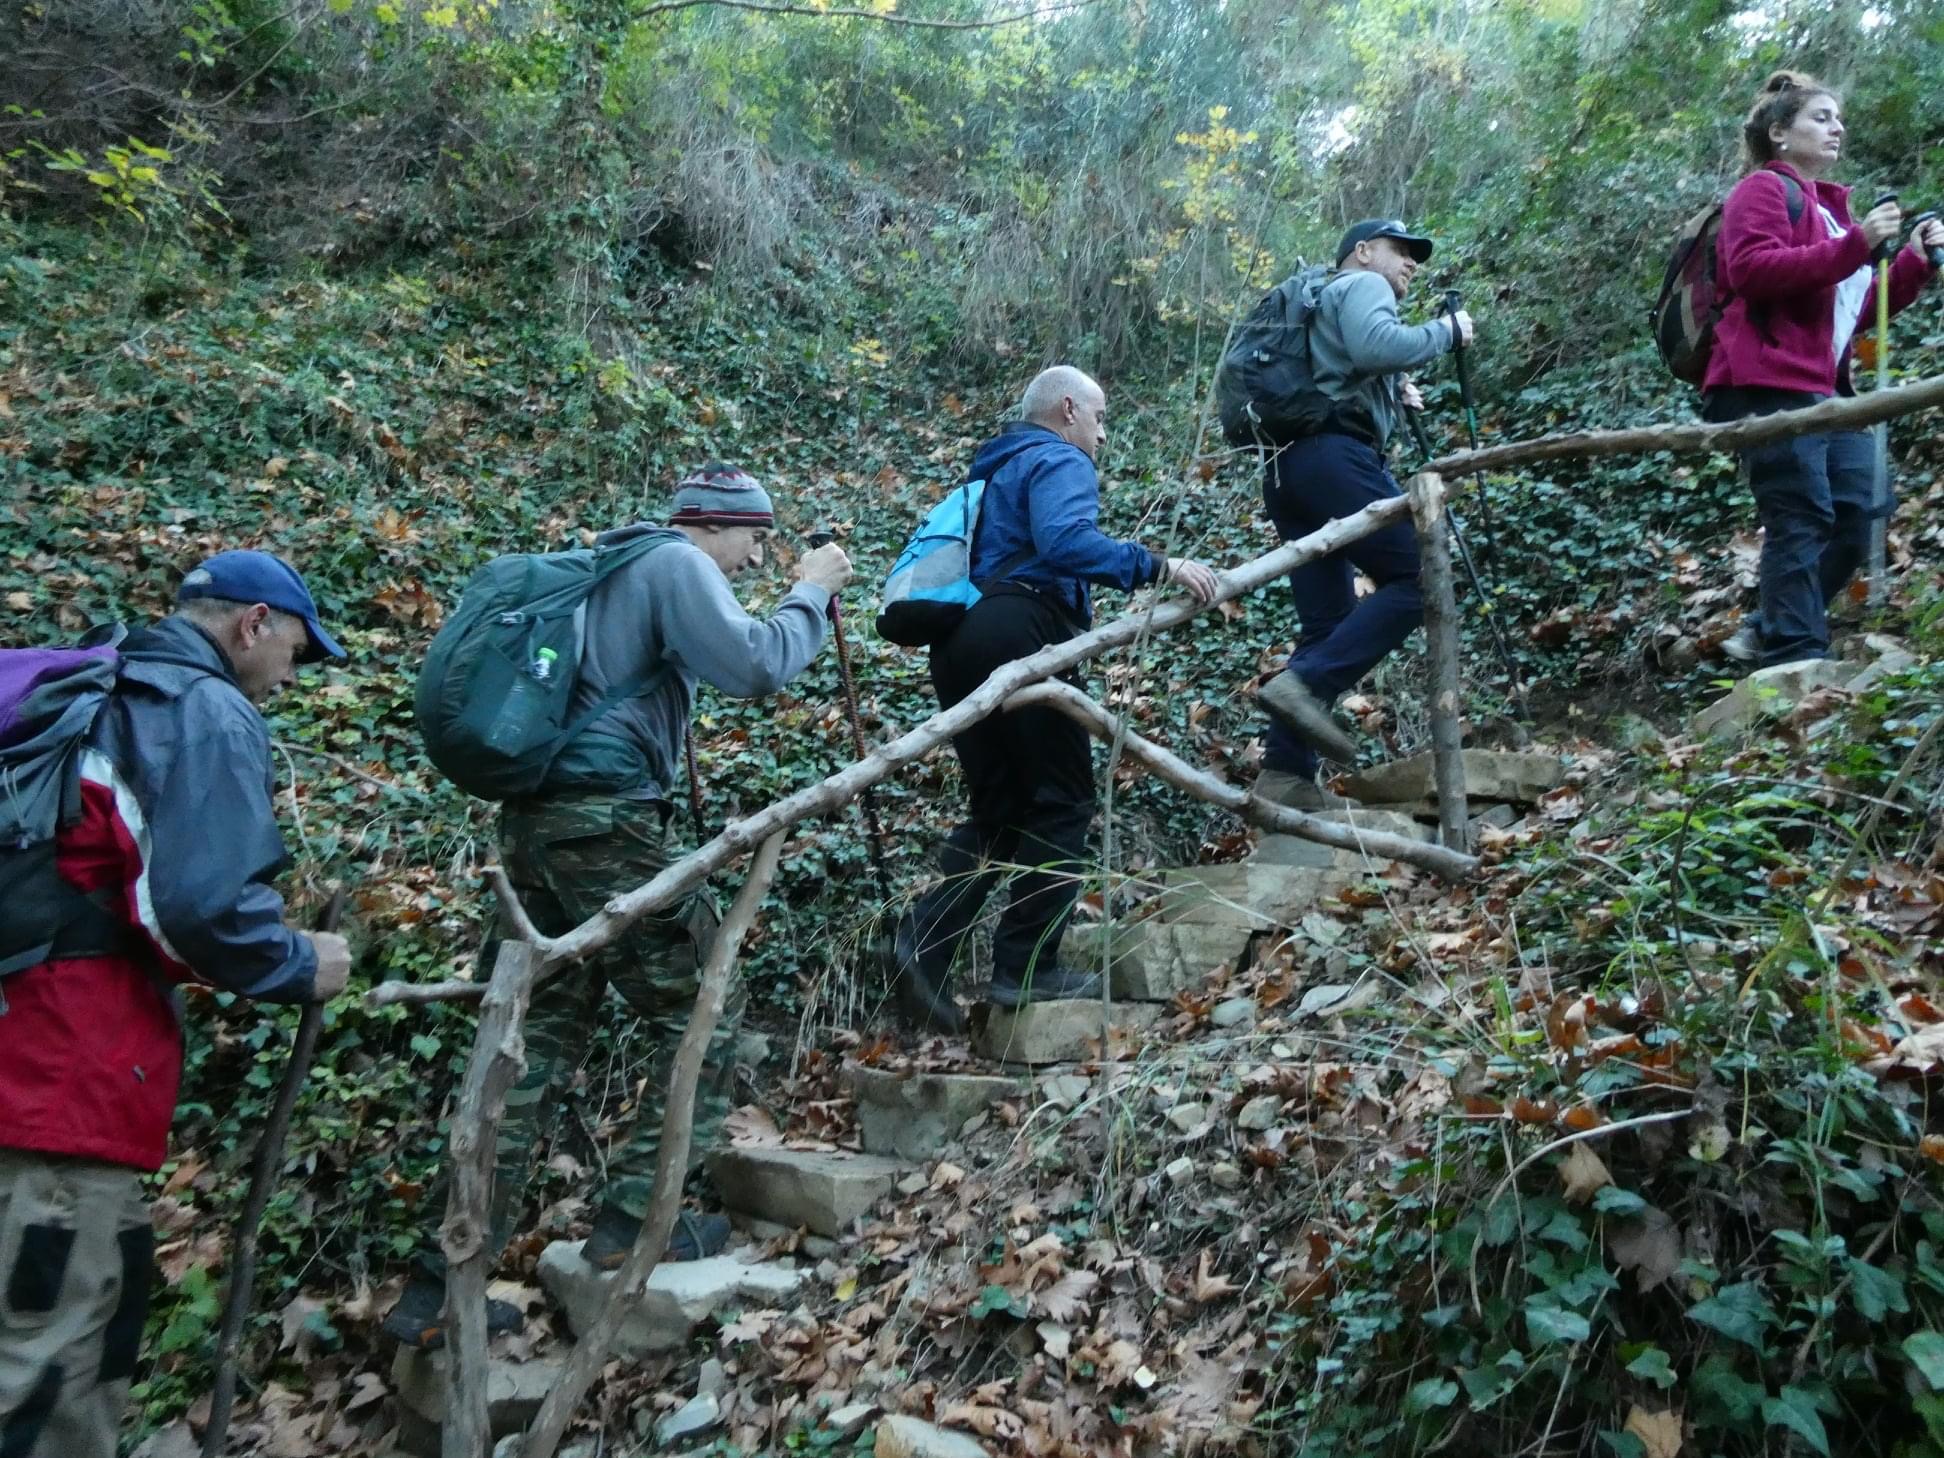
<point>1926,1352</point>
<point>1740,1313</point>
<point>1652,1366</point>
<point>1548,1323</point>
<point>997,1298</point>
<point>1794,1409</point>
<point>1431,1393</point>
<point>1876,1292</point>
<point>1726,1398</point>
<point>1612,1200</point>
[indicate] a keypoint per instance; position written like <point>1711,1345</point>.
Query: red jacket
<point>1779,278</point>
<point>177,824</point>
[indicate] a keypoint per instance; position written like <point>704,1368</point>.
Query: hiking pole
<point>1452,304</point>
<point>263,1179</point>
<point>1880,519</point>
<point>1478,585</point>
<point>823,536</point>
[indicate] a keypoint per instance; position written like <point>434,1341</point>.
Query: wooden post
<point>498,1059</point>
<point>1441,635</point>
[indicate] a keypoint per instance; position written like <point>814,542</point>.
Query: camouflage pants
<point>567,857</point>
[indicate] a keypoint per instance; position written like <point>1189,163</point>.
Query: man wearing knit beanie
<point>598,827</point>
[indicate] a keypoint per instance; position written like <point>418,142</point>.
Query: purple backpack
<point>49,699</point>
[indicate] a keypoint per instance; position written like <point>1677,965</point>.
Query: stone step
<point>1490,774</point>
<point>1151,961</point>
<point>1060,1031</point>
<point>514,1390</point>
<point>908,1115</point>
<point>1248,895</point>
<point>822,1189</point>
<point>680,1294</point>
<point>1769,693</point>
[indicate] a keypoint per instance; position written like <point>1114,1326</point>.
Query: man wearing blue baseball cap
<point>1359,353</point>
<point>150,867</point>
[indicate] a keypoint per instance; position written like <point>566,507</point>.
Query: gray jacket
<point>183,761</point>
<point>673,609</point>
<point>1358,346</point>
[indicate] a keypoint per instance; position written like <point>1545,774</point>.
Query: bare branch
<point>739,837</point>
<point>516,911</point>
<point>671,1163</point>
<point>1851,413</point>
<point>1103,724</point>
<point>289,746</point>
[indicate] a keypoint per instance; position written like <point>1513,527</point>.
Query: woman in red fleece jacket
<point>1796,278</point>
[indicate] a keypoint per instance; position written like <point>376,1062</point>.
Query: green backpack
<point>498,681</point>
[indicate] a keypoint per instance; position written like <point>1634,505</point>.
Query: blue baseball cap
<point>253,577</point>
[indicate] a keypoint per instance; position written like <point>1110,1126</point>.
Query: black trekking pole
<point>1879,564</point>
<point>264,1169</point>
<point>822,536</point>
<point>1478,584</point>
<point>1452,304</point>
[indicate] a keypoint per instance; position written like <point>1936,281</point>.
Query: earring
<point>1781,146</point>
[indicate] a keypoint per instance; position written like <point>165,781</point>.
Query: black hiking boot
<point>1280,787</point>
<point>1045,984</point>
<point>1299,711</point>
<point>924,993</point>
<point>615,1232</point>
<point>418,1320</point>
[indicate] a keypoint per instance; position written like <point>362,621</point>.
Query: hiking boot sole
<point>1302,714</point>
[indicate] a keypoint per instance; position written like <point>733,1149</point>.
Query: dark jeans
<point>1030,776</point>
<point>1308,484</point>
<point>1816,495</point>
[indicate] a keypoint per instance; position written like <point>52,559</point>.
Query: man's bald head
<point>1071,404</point>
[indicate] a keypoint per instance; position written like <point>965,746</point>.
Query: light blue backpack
<point>930,587</point>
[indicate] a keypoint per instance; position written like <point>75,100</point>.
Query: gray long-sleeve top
<point>673,609</point>
<point>1358,345</point>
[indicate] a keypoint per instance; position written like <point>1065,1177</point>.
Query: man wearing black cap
<point>598,827</point>
<point>160,871</point>
<point>1359,352</point>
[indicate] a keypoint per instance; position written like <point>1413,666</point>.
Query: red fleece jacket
<point>1779,279</point>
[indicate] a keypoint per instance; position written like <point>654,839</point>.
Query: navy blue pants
<point>1308,484</point>
<point>1816,496</point>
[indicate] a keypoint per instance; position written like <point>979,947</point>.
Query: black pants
<point>1030,776</point>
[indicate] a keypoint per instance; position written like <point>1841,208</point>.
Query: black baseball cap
<point>1419,248</point>
<point>261,577</point>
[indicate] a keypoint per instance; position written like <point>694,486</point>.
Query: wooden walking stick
<point>263,1179</point>
<point>867,801</point>
<point>1878,565</point>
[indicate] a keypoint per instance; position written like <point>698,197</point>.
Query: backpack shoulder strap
<point>1792,191</point>
<point>607,562</point>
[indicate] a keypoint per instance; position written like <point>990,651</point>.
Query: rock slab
<point>1490,774</point>
<point>899,1436</point>
<point>513,1389</point>
<point>1060,1031</point>
<point>1250,895</point>
<point>679,1296</point>
<point>1153,960</point>
<point>824,1190</point>
<point>1769,693</point>
<point>912,1116</point>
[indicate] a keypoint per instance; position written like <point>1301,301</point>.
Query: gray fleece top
<point>1358,345</point>
<point>673,608</point>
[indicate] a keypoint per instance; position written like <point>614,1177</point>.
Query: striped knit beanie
<point>719,495</point>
